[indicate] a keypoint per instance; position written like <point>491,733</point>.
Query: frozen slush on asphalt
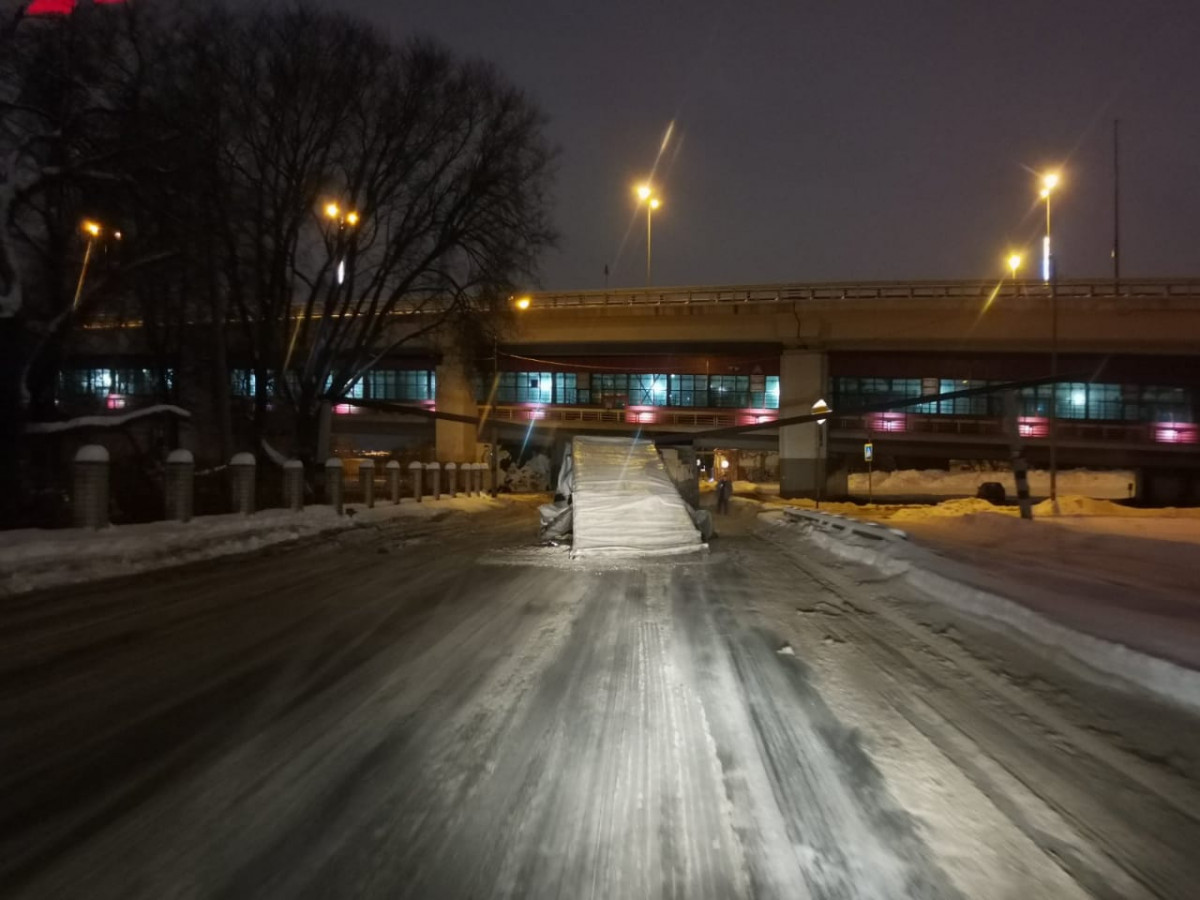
<point>443,708</point>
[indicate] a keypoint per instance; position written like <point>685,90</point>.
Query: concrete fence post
<point>435,479</point>
<point>476,478</point>
<point>451,479</point>
<point>241,468</point>
<point>480,474</point>
<point>393,480</point>
<point>180,487</point>
<point>415,469</point>
<point>293,485</point>
<point>335,486</point>
<point>366,481</point>
<point>468,478</point>
<point>89,499</point>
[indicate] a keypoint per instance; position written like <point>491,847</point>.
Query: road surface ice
<point>444,709</point>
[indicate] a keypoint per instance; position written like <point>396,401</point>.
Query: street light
<point>1014,263</point>
<point>93,230</point>
<point>523,302</point>
<point>646,194</point>
<point>346,219</point>
<point>1049,182</point>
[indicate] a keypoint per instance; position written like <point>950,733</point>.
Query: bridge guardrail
<point>900,290</point>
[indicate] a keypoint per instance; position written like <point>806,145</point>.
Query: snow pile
<point>1086,506</point>
<point>1122,635</point>
<point>34,559</point>
<point>962,507</point>
<point>531,478</point>
<point>85,422</point>
<point>939,482</point>
<point>625,504</point>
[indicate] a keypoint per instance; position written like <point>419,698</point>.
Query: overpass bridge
<point>1145,316</point>
<point>1132,345</point>
<point>695,357</point>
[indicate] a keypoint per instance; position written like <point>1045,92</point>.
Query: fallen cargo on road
<point>618,500</point>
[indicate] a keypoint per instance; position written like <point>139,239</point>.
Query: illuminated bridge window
<point>405,385</point>
<point>1073,400</point>
<point>108,381</point>
<point>621,389</point>
<point>400,384</point>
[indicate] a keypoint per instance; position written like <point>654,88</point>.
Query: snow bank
<point>34,559</point>
<point>625,504</point>
<point>1113,649</point>
<point>532,477</point>
<point>939,482</point>
<point>962,507</point>
<point>1086,506</point>
<point>106,421</point>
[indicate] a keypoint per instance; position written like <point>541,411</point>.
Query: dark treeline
<point>213,139</point>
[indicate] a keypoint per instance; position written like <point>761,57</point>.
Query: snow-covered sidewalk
<point>1100,588</point>
<point>32,559</point>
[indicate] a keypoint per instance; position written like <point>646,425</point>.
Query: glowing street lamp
<point>1014,263</point>
<point>93,230</point>
<point>522,303</point>
<point>1049,183</point>
<point>646,195</point>
<point>345,219</point>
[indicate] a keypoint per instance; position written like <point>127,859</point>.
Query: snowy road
<point>446,710</point>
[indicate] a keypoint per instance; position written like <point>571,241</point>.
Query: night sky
<point>867,139</point>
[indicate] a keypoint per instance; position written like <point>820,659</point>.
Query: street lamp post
<point>1049,276</point>
<point>347,220</point>
<point>93,230</point>
<point>1014,263</point>
<point>646,194</point>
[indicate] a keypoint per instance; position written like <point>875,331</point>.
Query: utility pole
<point>1116,247</point>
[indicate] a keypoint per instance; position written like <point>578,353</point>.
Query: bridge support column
<point>455,440</point>
<point>803,379</point>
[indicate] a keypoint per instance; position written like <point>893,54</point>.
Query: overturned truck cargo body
<point>621,502</point>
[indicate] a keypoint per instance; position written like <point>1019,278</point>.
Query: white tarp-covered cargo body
<point>624,503</point>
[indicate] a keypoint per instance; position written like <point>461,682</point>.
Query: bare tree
<point>216,137</point>
<point>444,164</point>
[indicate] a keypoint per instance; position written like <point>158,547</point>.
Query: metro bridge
<point>693,358</point>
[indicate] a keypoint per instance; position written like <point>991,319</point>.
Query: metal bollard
<point>89,499</point>
<point>393,479</point>
<point>435,477</point>
<point>334,484</point>
<point>366,481</point>
<point>180,486</point>
<point>479,467</point>
<point>241,468</point>
<point>451,479</point>
<point>473,479</point>
<point>415,469</point>
<point>293,485</point>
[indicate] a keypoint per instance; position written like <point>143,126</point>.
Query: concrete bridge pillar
<point>455,440</point>
<point>803,379</point>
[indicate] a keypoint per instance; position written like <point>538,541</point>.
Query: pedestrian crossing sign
<point>868,451</point>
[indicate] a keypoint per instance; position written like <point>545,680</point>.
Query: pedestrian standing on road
<point>724,491</point>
